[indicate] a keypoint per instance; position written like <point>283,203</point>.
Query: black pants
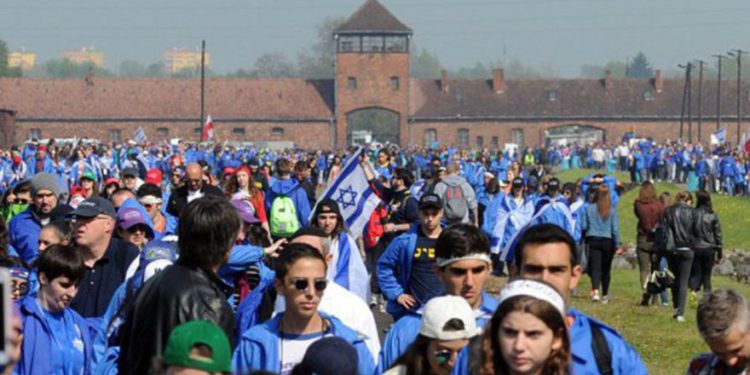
<point>700,273</point>
<point>680,263</point>
<point>372,254</point>
<point>601,254</point>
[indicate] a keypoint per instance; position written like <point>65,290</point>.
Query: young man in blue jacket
<point>25,227</point>
<point>463,266</point>
<point>285,186</point>
<point>548,253</point>
<point>280,343</point>
<point>406,270</point>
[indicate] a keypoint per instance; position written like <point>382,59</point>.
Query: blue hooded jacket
<point>289,187</point>
<point>24,231</point>
<point>405,331</point>
<point>398,256</point>
<point>259,347</point>
<point>40,348</point>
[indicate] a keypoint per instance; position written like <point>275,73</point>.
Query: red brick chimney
<point>444,80</point>
<point>498,81</point>
<point>658,81</point>
<point>608,80</point>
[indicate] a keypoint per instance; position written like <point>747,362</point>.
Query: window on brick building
<point>238,131</point>
<point>462,137</point>
<point>396,43</point>
<point>517,137</point>
<point>162,132</point>
<point>394,84</point>
<point>430,137</point>
<point>372,43</point>
<point>496,142</point>
<point>36,133</point>
<point>277,132</point>
<point>349,43</point>
<point>115,135</point>
<point>480,141</point>
<point>648,95</point>
<point>352,83</point>
<point>552,95</point>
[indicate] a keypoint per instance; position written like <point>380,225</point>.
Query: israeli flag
<point>719,137</point>
<point>352,192</point>
<point>140,135</point>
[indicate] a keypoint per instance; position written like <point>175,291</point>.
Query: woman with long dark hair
<point>601,231</point>
<point>447,325</point>
<point>649,210</point>
<point>708,244</point>
<point>527,333</point>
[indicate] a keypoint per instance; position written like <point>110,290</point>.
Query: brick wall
<point>306,134</point>
<point>7,127</point>
<point>373,72</point>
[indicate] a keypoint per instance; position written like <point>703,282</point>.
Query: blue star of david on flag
<point>345,193</point>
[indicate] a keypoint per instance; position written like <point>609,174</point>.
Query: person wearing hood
<point>348,269</point>
<point>459,199</point>
<point>553,208</point>
<point>286,197</point>
<point>56,339</point>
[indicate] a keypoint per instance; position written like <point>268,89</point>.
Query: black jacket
<point>708,230</point>
<point>681,220</point>
<point>176,295</point>
<point>178,199</point>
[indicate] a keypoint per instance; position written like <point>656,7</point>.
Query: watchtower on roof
<point>372,75</point>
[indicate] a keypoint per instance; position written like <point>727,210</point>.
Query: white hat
<point>439,310</point>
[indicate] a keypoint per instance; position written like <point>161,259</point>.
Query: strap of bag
<point>602,354</point>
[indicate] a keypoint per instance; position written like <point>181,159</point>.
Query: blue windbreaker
<point>394,269</point>
<point>405,331</point>
<point>24,231</point>
<point>41,352</point>
<point>259,347</point>
<point>289,187</point>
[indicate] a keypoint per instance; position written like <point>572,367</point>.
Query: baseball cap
<point>42,148</point>
<point>95,206</point>
<point>430,200</point>
<point>111,181</point>
<point>441,310</point>
<point>246,211</point>
<point>130,216</point>
<point>153,176</point>
<point>129,172</point>
<point>553,184</point>
<point>327,206</point>
<point>517,182</point>
<point>187,336</point>
<point>88,175</point>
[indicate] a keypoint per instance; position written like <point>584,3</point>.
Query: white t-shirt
<point>350,310</point>
<point>193,195</point>
<point>293,348</point>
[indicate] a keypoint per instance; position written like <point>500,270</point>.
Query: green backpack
<point>283,217</point>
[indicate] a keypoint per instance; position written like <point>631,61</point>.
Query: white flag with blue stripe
<point>140,135</point>
<point>352,192</point>
<point>719,137</point>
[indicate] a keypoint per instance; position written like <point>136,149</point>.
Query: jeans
<point>601,254</point>
<point>700,274</point>
<point>680,263</point>
<point>729,185</point>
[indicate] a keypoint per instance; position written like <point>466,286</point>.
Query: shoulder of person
<point>704,364</point>
<point>345,332</point>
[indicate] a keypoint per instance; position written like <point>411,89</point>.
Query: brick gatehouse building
<point>371,94</point>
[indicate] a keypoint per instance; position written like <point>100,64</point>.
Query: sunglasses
<point>442,356</point>
<point>302,284</point>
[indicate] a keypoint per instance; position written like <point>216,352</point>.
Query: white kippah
<point>442,262</point>
<point>533,289</point>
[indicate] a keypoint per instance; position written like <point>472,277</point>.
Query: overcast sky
<point>562,33</point>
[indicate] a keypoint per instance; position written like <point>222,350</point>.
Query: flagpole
<point>203,86</point>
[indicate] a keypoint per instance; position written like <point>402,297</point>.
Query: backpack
<point>283,216</point>
<point>455,204</point>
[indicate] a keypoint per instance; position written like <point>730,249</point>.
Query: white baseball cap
<point>440,310</point>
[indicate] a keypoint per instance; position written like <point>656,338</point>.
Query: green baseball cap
<point>199,332</point>
<point>89,175</point>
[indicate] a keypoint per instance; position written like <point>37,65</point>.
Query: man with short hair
<point>547,253</point>
<point>463,267</point>
<point>302,175</point>
<point>188,290</point>
<point>724,324</point>
<point>130,179</point>
<point>459,199</point>
<point>150,197</point>
<point>25,227</point>
<point>195,187</point>
<point>120,195</point>
<point>106,258</point>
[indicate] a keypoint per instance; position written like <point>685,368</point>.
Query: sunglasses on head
<point>302,284</point>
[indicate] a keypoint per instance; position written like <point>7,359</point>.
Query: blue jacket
<point>625,360</point>
<point>24,231</point>
<point>554,211</point>
<point>397,257</point>
<point>405,331</point>
<point>595,226</point>
<point>39,346</point>
<point>48,166</point>
<point>289,187</point>
<point>259,347</point>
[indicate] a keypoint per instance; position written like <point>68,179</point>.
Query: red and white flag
<point>208,130</point>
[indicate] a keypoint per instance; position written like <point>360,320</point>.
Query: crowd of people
<point>214,259</point>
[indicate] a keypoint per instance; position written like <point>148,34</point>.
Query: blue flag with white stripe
<point>719,137</point>
<point>353,193</point>
<point>140,135</point>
